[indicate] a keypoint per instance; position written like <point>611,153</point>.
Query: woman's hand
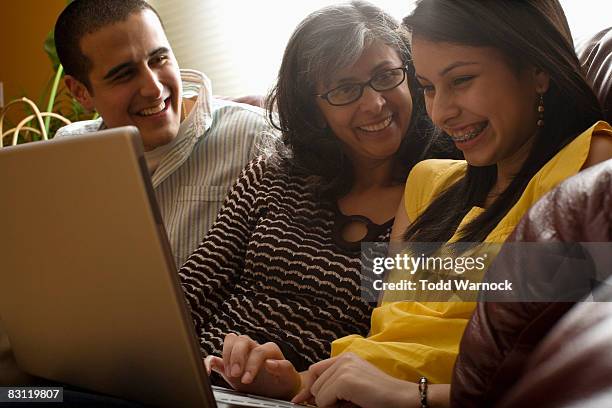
<point>350,378</point>
<point>256,369</point>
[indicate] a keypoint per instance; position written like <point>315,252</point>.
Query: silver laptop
<point>89,294</point>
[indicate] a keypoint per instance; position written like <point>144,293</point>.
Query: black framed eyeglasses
<point>349,93</point>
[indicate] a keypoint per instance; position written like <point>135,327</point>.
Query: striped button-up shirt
<point>216,141</point>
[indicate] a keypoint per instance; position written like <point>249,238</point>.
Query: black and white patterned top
<point>269,268</point>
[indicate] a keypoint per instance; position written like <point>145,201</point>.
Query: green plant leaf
<point>53,94</point>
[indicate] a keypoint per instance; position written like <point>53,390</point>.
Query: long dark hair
<point>528,34</point>
<point>327,40</point>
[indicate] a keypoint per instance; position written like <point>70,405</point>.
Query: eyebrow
<point>118,68</point>
<point>449,68</point>
<point>353,79</point>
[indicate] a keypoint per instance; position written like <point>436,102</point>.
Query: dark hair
<point>527,33</point>
<point>326,41</point>
<point>82,17</point>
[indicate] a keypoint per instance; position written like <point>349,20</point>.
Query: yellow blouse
<point>413,339</point>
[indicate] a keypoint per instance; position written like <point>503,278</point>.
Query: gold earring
<point>541,111</point>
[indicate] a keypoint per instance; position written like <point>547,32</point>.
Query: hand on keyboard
<point>255,368</point>
<point>348,379</point>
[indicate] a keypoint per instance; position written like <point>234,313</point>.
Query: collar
<point>199,120</point>
<point>192,128</point>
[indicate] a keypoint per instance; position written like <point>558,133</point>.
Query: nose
<point>151,87</point>
<point>442,108</point>
<point>371,101</point>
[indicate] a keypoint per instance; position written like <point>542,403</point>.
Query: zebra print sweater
<point>269,268</point>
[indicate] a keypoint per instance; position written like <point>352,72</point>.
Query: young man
<point>118,61</point>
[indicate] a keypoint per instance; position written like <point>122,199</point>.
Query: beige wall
<point>24,66</point>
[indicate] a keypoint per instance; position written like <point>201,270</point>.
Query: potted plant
<point>37,123</point>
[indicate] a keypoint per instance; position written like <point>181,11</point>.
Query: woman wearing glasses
<point>282,265</point>
<point>503,80</point>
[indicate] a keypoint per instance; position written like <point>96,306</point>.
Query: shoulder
<point>224,110</point>
<point>436,169</point>
<point>433,175</point>
<point>592,146</point>
<point>225,114</point>
<point>267,169</point>
<point>601,145</point>
<point>79,128</point>
<point>266,182</point>
<point>427,179</point>
<point>241,122</point>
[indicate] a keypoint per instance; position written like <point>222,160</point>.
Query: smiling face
<point>488,107</point>
<point>134,78</point>
<point>372,127</point>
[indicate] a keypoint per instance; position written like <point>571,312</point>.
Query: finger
<point>319,368</point>
<point>240,352</point>
<point>207,364</point>
<point>322,371</point>
<point>336,383</point>
<point>228,344</point>
<point>285,373</point>
<point>279,367</point>
<point>283,369</point>
<point>258,355</point>
<point>308,379</point>
<point>302,396</point>
<point>213,363</point>
<point>328,393</point>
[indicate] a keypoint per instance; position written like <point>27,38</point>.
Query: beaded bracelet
<point>423,392</point>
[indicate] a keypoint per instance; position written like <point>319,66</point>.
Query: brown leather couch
<point>501,336</point>
<point>595,55</point>
<point>573,365</point>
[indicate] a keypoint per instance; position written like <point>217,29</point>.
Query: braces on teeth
<point>470,135</point>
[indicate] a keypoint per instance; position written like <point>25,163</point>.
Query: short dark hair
<point>326,41</point>
<point>528,33</point>
<point>82,17</point>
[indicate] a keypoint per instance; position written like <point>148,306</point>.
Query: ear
<point>80,92</point>
<point>541,79</point>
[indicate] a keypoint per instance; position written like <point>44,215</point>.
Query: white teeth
<point>377,126</point>
<point>153,110</point>
<point>469,133</point>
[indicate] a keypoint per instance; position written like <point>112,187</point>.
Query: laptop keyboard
<point>231,397</point>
